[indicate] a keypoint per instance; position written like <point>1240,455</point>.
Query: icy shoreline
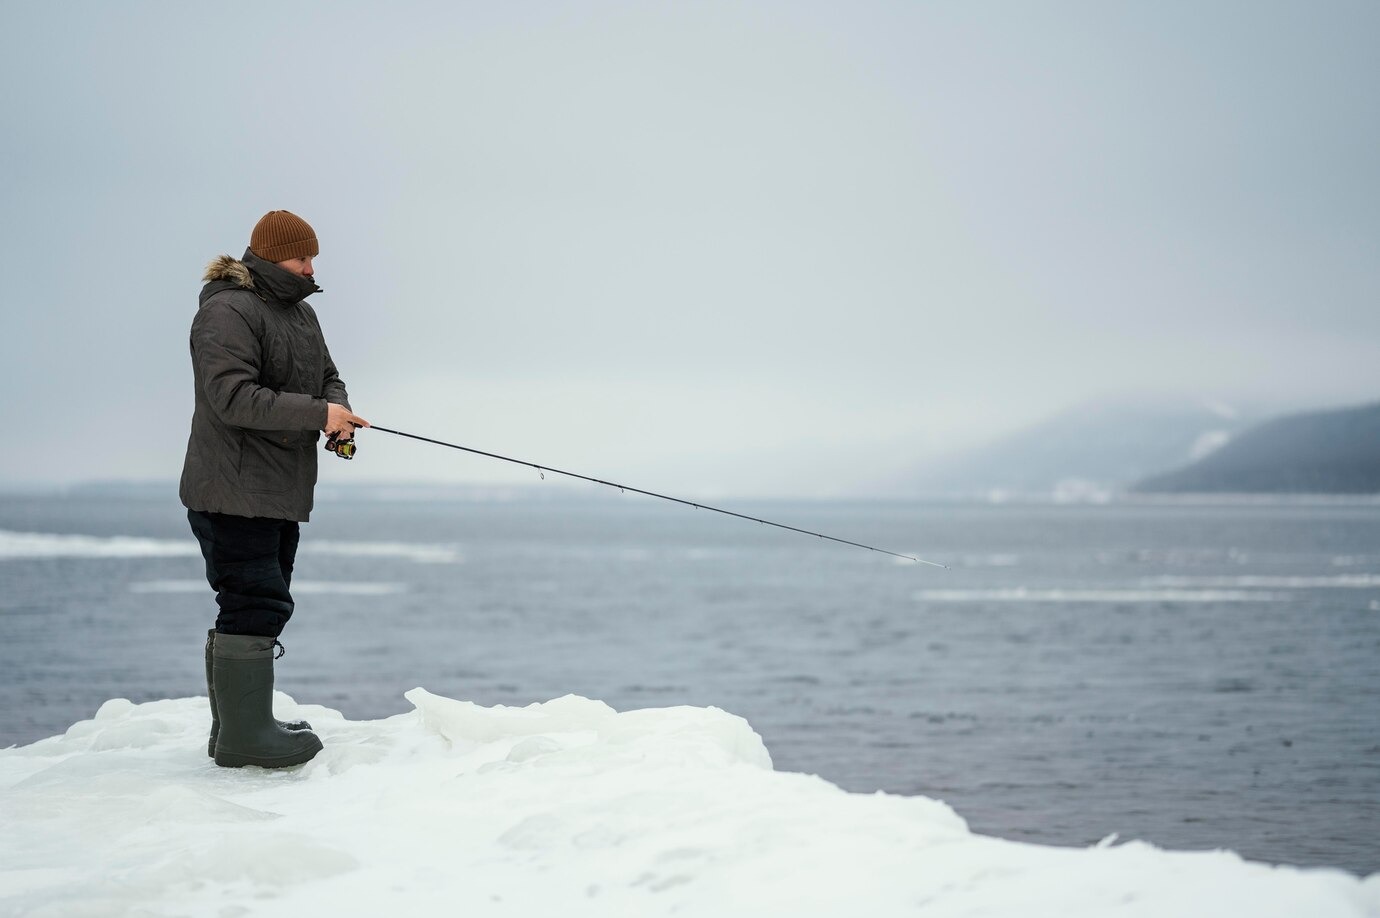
<point>566,807</point>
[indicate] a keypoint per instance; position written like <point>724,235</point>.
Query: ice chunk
<point>562,808</point>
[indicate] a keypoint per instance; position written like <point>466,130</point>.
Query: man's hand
<point>341,423</point>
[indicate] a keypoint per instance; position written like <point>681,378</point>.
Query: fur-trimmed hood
<point>229,269</point>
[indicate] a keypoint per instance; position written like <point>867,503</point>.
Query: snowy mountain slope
<point>1322,452</point>
<point>1106,446</point>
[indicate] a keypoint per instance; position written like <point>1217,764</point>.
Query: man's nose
<point>307,267</point>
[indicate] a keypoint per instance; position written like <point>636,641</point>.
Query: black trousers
<point>249,565</point>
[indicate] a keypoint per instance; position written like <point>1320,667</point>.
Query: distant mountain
<point>1086,451</point>
<point>1319,452</point>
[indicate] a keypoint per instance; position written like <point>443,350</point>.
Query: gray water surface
<point>1197,676</point>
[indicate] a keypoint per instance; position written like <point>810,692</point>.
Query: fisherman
<point>265,388</point>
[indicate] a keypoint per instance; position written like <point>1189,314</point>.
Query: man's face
<point>299,266</point>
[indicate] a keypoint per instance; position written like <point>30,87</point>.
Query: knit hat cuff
<point>284,251</point>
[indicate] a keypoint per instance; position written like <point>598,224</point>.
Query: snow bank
<point>563,808</point>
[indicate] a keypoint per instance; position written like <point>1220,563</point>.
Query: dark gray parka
<point>263,379</point>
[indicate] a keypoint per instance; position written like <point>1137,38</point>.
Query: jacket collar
<point>270,282</point>
<point>273,283</point>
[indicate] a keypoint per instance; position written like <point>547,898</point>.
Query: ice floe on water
<point>1272,581</point>
<point>562,808</point>
<point>416,552</point>
<point>362,588</point>
<point>28,545</point>
<point>31,545</point>
<point>1027,594</point>
<point>998,559</point>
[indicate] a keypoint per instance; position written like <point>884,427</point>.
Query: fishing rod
<point>543,469</point>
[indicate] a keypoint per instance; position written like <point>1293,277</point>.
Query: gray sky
<point>775,247</point>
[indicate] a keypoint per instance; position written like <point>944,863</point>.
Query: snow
<point>561,808</point>
<point>1222,410</point>
<point>1208,443</point>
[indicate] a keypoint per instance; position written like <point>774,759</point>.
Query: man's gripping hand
<point>341,422</point>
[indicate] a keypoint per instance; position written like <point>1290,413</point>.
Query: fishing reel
<point>344,449</point>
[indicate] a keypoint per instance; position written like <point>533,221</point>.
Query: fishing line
<point>612,484</point>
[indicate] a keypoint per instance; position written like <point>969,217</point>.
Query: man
<point>265,387</point>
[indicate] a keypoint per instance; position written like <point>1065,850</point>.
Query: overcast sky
<point>775,247</point>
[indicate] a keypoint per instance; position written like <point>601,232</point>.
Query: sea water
<point>1197,675</point>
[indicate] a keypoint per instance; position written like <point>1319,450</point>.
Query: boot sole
<point>227,759</point>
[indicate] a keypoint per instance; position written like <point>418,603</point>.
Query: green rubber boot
<point>242,675</point>
<point>211,691</point>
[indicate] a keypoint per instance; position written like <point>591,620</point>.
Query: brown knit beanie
<point>280,235</point>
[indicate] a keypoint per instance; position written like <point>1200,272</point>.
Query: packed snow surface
<point>562,808</point>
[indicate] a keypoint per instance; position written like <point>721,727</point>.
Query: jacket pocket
<point>267,466</point>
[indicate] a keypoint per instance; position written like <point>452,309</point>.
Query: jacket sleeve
<point>332,386</point>
<point>227,357</point>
